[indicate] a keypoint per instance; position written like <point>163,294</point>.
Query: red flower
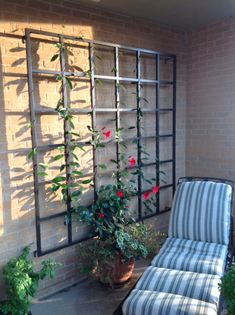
<point>120,194</point>
<point>132,161</point>
<point>147,195</point>
<point>155,189</point>
<point>107,134</point>
<point>127,207</point>
<point>101,215</point>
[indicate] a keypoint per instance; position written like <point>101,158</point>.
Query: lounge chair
<point>183,278</point>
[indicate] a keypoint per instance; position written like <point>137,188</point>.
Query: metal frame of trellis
<point>117,79</point>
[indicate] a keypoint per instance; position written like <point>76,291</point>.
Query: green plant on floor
<point>227,288</point>
<point>129,243</point>
<point>22,282</point>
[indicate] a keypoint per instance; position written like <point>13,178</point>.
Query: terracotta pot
<point>118,272</point>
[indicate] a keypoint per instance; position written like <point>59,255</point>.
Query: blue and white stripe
<point>201,212</point>
<point>194,285</point>
<point>142,302</point>
<point>193,256</point>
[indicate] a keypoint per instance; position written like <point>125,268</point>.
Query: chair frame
<point>231,249</point>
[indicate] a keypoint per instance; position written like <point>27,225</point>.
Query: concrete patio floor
<point>86,298</point>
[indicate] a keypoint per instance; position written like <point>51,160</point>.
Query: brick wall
<point>211,98</point>
<point>17,226</point>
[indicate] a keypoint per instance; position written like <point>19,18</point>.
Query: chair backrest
<point>201,211</point>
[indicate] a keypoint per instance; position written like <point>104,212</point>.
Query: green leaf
<point>75,134</point>
<point>80,147</point>
<point>58,179</point>
<point>60,148</point>
<point>78,68</point>
<point>53,58</point>
<point>54,187</point>
<point>102,166</point>
<point>100,145</point>
<point>42,174</point>
<point>32,153</point>
<point>123,145</point>
<point>114,70</point>
<point>58,157</point>
<point>113,161</point>
<point>74,155</point>
<point>87,181</point>
<point>74,164</point>
<point>69,83</point>
<point>71,123</point>
<point>62,167</point>
<point>76,193</point>
<point>77,173</point>
<point>59,77</point>
<point>43,166</point>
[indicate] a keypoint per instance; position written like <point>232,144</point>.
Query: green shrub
<point>227,288</point>
<point>22,282</point>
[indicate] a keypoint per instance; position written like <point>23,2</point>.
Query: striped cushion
<point>141,302</point>
<point>190,284</point>
<point>193,256</point>
<point>201,212</point>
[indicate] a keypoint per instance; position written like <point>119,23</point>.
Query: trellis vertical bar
<point>93,109</point>
<point>34,141</point>
<point>174,125</point>
<point>138,125</point>
<point>67,136</point>
<point>117,103</point>
<point>157,60</point>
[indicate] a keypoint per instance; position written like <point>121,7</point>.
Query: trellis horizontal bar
<point>166,161</point>
<point>53,216</point>
<point>88,143</point>
<point>102,43</point>
<point>55,146</point>
<point>49,251</point>
<point>49,181</point>
<point>55,112</point>
<point>114,78</point>
<point>100,77</point>
<point>65,73</point>
<point>147,216</point>
<point>161,187</point>
<point>100,110</point>
<point>134,80</point>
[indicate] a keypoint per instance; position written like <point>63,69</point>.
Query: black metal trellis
<point>116,79</point>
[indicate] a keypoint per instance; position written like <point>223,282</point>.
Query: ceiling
<point>185,15</point>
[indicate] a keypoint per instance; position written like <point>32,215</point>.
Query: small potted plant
<point>118,243</point>
<point>22,282</point>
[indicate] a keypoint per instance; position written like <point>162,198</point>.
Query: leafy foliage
<point>22,282</point>
<point>227,288</point>
<point>132,242</point>
<point>109,213</point>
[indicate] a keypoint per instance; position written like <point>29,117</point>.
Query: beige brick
<point>17,222</point>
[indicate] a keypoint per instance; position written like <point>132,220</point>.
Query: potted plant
<point>22,282</point>
<point>111,255</point>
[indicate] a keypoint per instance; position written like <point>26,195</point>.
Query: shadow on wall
<point>17,218</point>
